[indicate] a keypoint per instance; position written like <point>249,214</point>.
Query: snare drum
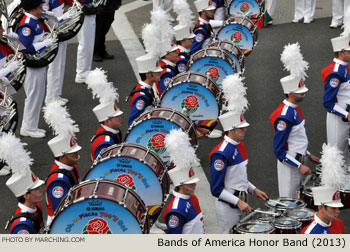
<point>254,227</point>
<point>151,127</point>
<point>100,207</point>
<point>307,197</point>
<point>136,167</point>
<point>212,62</point>
<point>250,8</point>
<point>241,31</point>
<point>234,51</point>
<point>290,202</point>
<point>287,225</point>
<point>304,215</point>
<point>198,95</point>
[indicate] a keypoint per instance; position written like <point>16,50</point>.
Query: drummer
<point>64,173</point>
<point>184,39</point>
<point>325,221</point>
<point>25,185</point>
<point>203,29</point>
<point>228,170</point>
<point>168,61</point>
<point>142,96</point>
<point>110,118</point>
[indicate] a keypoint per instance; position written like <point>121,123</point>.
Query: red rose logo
<point>213,73</point>
<point>244,7</point>
<point>127,180</point>
<point>97,226</point>
<point>191,101</point>
<point>237,36</point>
<point>156,143</point>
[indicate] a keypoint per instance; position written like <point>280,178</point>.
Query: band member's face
<point>239,134</point>
<point>209,14</point>
<point>35,195</point>
<point>332,212</point>
<point>38,11</point>
<point>155,76</point>
<point>187,43</point>
<point>298,97</point>
<point>172,56</point>
<point>115,122</point>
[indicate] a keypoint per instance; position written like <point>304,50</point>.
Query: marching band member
<point>183,214</point>
<point>290,140</point>
<point>168,64</point>
<point>228,160</point>
<point>107,113</point>
<point>64,173</point>
<point>203,30</point>
<point>304,10</point>
<point>86,40</point>
<point>336,95</point>
<point>30,33</point>
<point>327,197</point>
<point>25,185</point>
<point>56,69</point>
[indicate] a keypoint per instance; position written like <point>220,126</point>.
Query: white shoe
<point>79,80</point>
<point>39,133</point>
<point>5,171</point>
<point>297,20</point>
<point>65,100</point>
<point>334,25</point>
<point>306,21</point>
<point>60,100</point>
<point>215,134</point>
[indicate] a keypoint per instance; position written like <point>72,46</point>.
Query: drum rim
<point>254,222</point>
<point>191,61</point>
<point>261,5</point>
<point>306,218</point>
<point>139,121</point>
<point>64,206</point>
<point>280,226</point>
<point>287,199</point>
<point>240,59</point>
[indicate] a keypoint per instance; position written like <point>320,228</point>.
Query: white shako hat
<point>204,5</point>
<point>341,43</point>
<point>106,111</point>
<point>13,153</point>
<point>183,32</point>
<point>21,183</point>
<point>325,195</point>
<point>148,63</point>
<point>62,144</point>
<point>293,84</point>
<point>168,47</point>
<point>232,120</point>
<point>183,155</point>
<point>182,176</point>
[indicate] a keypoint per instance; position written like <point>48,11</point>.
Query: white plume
<point>183,12</point>
<point>100,87</point>
<point>152,43</point>
<point>181,152</point>
<point>332,160</point>
<point>58,118</point>
<point>293,60</point>
<point>235,93</point>
<point>12,151</point>
<point>346,25</point>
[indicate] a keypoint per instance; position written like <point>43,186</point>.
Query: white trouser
<point>86,38</point>
<point>289,180</point>
<point>55,72</point>
<point>227,216</point>
<point>34,88</point>
<point>338,9</point>
<point>305,9</point>
<point>338,134</point>
<point>270,6</point>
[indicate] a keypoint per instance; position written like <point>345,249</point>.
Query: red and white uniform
<point>24,225</point>
<point>317,226</point>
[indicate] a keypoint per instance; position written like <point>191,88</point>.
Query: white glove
<point>12,35</point>
<point>4,112</point>
<point>48,42</point>
<point>4,81</point>
<point>67,15</point>
<point>216,23</point>
<point>12,66</point>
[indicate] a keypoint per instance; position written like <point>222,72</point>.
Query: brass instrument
<point>9,121</point>
<point>94,7</point>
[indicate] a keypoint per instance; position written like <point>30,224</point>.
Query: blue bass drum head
<point>243,7</point>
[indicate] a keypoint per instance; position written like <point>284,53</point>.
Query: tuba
<point>38,59</point>
<point>8,122</point>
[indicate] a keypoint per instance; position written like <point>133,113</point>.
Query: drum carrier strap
<point>207,28</point>
<point>170,67</point>
<point>148,93</point>
<point>186,55</point>
<point>30,216</point>
<point>116,138</point>
<point>65,172</point>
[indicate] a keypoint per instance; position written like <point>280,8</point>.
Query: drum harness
<point>115,137</point>
<point>71,178</point>
<point>148,93</point>
<point>36,221</point>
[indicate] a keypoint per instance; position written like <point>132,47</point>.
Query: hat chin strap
<point>325,210</point>
<point>73,159</point>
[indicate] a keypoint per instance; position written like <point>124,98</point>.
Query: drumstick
<point>267,212</point>
<point>277,202</point>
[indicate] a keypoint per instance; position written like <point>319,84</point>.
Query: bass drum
<point>151,127</point>
<point>241,31</point>
<point>100,207</point>
<point>212,62</point>
<point>254,227</point>
<point>196,94</point>
<point>234,51</point>
<point>139,169</point>
<point>252,9</point>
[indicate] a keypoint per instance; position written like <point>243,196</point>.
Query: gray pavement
<point>263,71</point>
